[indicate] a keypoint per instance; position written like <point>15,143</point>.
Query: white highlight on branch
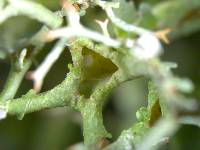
<point>73,16</point>
<point>69,32</point>
<point>106,4</point>
<point>75,29</point>
<point>104,26</point>
<point>22,57</point>
<point>38,75</point>
<point>129,43</point>
<point>3,114</point>
<point>3,110</point>
<point>147,46</point>
<point>123,25</point>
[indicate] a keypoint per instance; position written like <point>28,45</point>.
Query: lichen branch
<point>14,79</point>
<point>32,10</point>
<point>39,74</point>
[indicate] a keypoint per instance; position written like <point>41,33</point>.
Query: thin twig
<point>75,29</point>
<point>123,25</point>
<point>31,9</point>
<point>69,32</point>
<point>14,80</point>
<point>39,74</point>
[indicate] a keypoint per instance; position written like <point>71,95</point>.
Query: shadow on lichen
<point>96,70</point>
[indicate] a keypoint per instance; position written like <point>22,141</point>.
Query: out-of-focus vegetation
<point>61,128</point>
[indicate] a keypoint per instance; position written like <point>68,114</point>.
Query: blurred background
<point>59,128</point>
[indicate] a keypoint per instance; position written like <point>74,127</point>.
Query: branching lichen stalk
<point>14,80</point>
<point>63,94</point>
<point>32,10</point>
<point>97,69</point>
<point>91,110</point>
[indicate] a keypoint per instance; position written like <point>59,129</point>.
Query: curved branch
<point>62,95</point>
<point>32,10</point>
<point>14,80</point>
